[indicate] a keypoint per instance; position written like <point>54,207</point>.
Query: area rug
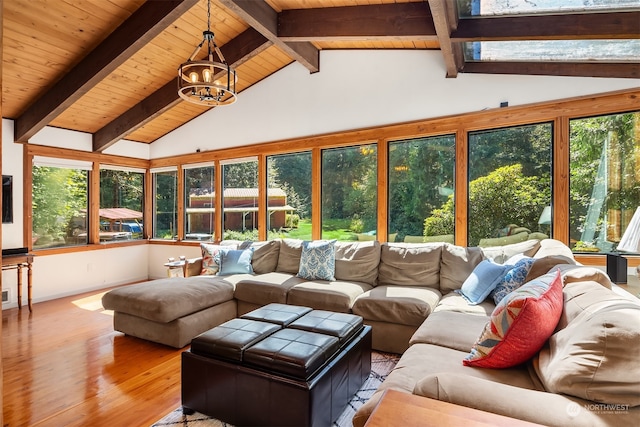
<point>381,365</point>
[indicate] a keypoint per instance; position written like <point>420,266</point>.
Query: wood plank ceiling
<point>108,67</point>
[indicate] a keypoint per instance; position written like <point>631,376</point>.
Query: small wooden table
<point>11,262</point>
<point>408,410</point>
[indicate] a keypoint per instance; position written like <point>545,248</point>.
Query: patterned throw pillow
<point>210,259</point>
<point>511,281</point>
<point>520,325</point>
<point>482,281</point>
<point>318,260</point>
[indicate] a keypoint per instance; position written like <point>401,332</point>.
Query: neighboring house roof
<point>119,213</point>
<point>238,193</point>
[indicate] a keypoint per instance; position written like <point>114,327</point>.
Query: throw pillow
<point>210,259</point>
<point>482,281</point>
<point>235,261</point>
<point>520,325</point>
<point>515,277</point>
<point>318,260</point>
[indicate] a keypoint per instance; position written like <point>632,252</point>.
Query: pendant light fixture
<point>208,81</point>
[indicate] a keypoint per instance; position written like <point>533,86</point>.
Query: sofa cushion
<point>519,325</point>
<point>453,301</point>
<point>336,296</point>
<point>358,261</point>
<point>542,265</point>
<point>456,265</point>
<point>595,356</point>
<point>318,260</point>
<point>578,273</point>
<point>482,281</point>
<point>265,256</point>
<point>514,278</point>
<point>553,247</point>
<point>266,288</point>
<point>165,300</point>
<point>407,264</point>
<point>455,330</point>
<point>405,305</point>
<point>289,257</point>
<point>501,254</point>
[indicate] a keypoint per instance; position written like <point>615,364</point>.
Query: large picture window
<point>240,199</point>
<point>165,203</point>
<point>59,202</point>
<point>350,192</point>
<point>121,203</point>
<point>199,202</point>
<point>510,185</point>
<point>421,189</point>
<point>289,195</point>
<point>605,180</point>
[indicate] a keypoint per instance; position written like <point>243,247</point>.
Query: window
<point>605,180</point>
<point>349,192</point>
<point>165,203</point>
<point>509,185</point>
<point>240,199</point>
<point>121,203</point>
<point>421,173</point>
<point>199,194</point>
<point>289,195</point>
<point>59,202</point>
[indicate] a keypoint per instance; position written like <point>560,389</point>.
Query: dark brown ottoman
<point>302,374</point>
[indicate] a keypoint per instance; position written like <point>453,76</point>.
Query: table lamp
<point>630,242</point>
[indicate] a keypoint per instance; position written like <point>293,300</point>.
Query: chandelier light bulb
<point>206,74</point>
<point>193,76</point>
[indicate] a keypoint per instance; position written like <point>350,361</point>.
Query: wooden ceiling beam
<point>237,51</point>
<point>574,26</point>
<point>396,21</point>
<point>262,17</point>
<point>574,69</point>
<point>445,19</point>
<point>132,35</point>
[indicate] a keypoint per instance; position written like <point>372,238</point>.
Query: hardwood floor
<point>65,366</point>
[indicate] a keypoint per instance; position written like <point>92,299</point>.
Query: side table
<point>408,410</point>
<point>176,268</point>
<point>17,262</point>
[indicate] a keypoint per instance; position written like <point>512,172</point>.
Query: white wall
<point>354,89</point>
<point>357,89</point>
<point>55,276</point>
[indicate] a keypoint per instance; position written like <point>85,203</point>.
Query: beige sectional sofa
<point>409,294</point>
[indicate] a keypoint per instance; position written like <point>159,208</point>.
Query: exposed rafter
<point>143,25</point>
<point>395,21</point>
<point>237,51</point>
<point>445,19</point>
<point>263,18</point>
<point>575,69</point>
<point>577,26</point>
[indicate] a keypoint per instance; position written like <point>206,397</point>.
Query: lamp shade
<point>545,216</point>
<point>630,241</point>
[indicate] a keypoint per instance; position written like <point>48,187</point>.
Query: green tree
<point>503,197</point>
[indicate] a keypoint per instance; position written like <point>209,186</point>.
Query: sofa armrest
<point>524,404</point>
<point>194,267</point>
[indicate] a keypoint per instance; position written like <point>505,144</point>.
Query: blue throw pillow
<point>482,281</point>
<point>515,277</point>
<point>318,260</point>
<point>235,261</point>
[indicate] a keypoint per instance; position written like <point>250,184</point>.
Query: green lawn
<point>337,229</point>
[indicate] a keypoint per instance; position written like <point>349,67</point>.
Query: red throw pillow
<point>520,324</point>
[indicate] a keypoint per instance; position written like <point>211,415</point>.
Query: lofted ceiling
<point>108,67</point>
